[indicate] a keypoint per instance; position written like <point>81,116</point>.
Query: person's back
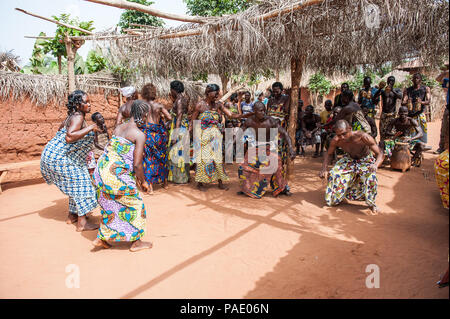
<point>154,113</point>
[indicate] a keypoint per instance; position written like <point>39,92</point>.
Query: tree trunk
<point>71,51</point>
<point>59,65</point>
<point>297,64</point>
<point>224,79</point>
<point>277,75</point>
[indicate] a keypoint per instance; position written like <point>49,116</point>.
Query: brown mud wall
<point>26,128</point>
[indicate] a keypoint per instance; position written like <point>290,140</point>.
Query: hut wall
<point>26,128</point>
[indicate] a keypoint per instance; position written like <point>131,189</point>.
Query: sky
<point>14,25</point>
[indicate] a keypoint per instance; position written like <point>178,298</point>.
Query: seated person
<point>262,169</point>
<point>311,130</point>
<point>407,131</point>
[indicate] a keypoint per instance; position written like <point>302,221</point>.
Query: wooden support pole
<point>57,22</point>
<point>122,4</point>
<point>71,47</point>
<point>272,14</point>
<point>297,64</point>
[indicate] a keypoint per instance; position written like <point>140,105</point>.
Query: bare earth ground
<point>221,245</point>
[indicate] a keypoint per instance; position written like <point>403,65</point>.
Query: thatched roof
<point>48,89</point>
<point>9,61</point>
<point>334,35</point>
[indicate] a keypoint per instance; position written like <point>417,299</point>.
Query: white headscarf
<point>128,91</point>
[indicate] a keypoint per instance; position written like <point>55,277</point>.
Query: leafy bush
<point>95,62</point>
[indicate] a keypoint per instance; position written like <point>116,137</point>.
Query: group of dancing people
<point>151,145</point>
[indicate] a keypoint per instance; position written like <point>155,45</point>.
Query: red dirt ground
<point>220,245</point>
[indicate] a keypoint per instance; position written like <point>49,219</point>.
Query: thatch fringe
<point>50,89</point>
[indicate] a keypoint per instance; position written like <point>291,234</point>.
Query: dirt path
<point>220,245</point>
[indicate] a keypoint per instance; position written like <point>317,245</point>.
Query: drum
<point>401,157</point>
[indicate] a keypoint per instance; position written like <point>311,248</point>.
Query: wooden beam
<point>93,37</point>
<point>267,16</point>
<point>275,13</point>
<point>297,65</point>
<point>143,26</point>
<point>122,4</point>
<point>57,22</point>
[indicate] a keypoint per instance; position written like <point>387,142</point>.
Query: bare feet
<point>201,187</point>
<point>100,243</point>
<point>84,225</point>
<point>222,186</point>
<point>373,210</point>
<point>71,218</point>
<point>140,245</point>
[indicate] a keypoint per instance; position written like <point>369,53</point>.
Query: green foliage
<point>253,78</point>
<point>132,16</point>
<point>78,65</point>
<point>200,76</point>
<point>216,7</point>
<point>123,72</point>
<point>37,57</point>
<point>358,78</point>
<point>319,84</point>
<point>56,46</point>
<point>431,83</point>
<point>95,62</point>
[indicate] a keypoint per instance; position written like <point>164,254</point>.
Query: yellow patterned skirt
<point>441,170</point>
<point>210,164</point>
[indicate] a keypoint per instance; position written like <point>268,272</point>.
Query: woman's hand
<point>145,187</point>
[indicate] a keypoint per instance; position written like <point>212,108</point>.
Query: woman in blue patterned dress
<point>63,160</point>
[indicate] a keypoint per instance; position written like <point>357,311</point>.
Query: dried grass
<point>333,36</point>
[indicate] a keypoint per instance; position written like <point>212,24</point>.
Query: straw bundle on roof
<point>334,35</point>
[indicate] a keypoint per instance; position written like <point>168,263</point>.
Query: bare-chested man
<point>210,168</point>
<point>354,175</point>
<point>259,175</point>
<point>155,151</point>
<point>389,97</point>
<point>124,113</point>
<point>407,130</point>
<point>179,145</point>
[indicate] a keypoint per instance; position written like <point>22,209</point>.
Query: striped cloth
<point>64,164</point>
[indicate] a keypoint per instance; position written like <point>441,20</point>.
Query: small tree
<point>95,62</point>
<point>132,16</point>
<point>216,7</point>
<point>318,86</point>
<point>56,46</point>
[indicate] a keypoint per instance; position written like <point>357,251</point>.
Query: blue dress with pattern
<point>64,164</point>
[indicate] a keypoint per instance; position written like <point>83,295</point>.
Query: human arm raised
<point>75,131</point>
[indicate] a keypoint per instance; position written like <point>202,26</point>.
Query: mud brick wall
<point>25,128</point>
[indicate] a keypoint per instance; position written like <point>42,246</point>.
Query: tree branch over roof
<point>122,4</point>
<point>56,22</point>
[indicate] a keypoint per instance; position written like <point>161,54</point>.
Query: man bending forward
<point>353,176</point>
